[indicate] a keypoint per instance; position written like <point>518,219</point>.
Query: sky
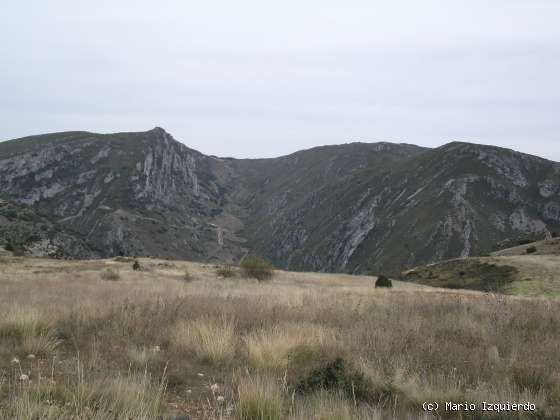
<point>262,79</point>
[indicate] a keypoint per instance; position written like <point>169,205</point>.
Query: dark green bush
<point>312,369</point>
<point>531,250</point>
<point>16,249</point>
<point>257,267</point>
<point>187,276</point>
<point>136,266</point>
<point>383,281</point>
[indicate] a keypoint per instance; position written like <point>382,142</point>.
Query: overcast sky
<point>259,79</point>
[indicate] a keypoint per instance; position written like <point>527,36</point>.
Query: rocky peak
<point>354,207</point>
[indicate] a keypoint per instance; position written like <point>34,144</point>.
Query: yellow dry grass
<point>210,339</point>
<point>230,348</point>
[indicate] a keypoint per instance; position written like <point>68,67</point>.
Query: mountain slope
<point>356,207</point>
<point>23,231</point>
<point>512,270</point>
<point>127,193</point>
<point>457,200</point>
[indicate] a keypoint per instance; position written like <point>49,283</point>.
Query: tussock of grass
<point>210,339</point>
<point>333,406</point>
<point>268,349</point>
<point>32,331</point>
<point>110,274</point>
<point>42,344</point>
<point>259,398</point>
<point>135,396</point>
<point>126,397</point>
<point>20,322</point>
<point>142,356</point>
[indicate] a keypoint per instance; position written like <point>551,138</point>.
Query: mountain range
<point>357,207</point>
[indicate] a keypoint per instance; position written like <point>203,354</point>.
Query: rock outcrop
<point>357,207</point>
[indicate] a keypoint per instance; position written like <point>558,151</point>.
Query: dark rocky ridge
<point>357,207</point>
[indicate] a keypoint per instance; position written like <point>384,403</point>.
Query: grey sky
<point>258,79</point>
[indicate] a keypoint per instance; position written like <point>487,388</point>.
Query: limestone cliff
<point>357,207</point>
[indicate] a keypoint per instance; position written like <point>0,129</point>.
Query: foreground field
<point>99,340</point>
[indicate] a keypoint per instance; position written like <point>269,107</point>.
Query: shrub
<point>187,276</point>
<point>16,249</point>
<point>136,266</point>
<point>383,281</point>
<point>555,234</point>
<point>110,274</point>
<point>336,374</point>
<point>257,267</point>
<point>225,271</point>
<point>531,250</point>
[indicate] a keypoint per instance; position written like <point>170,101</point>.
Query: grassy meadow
<point>174,340</point>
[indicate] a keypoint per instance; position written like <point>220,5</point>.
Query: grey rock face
<point>130,193</point>
<point>356,207</point>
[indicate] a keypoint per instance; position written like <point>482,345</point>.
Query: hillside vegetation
<point>531,269</point>
<point>357,207</point>
<point>114,339</point>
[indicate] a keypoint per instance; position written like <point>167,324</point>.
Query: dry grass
<point>268,349</point>
<point>210,339</point>
<point>328,406</point>
<point>143,356</point>
<point>288,348</point>
<point>130,397</point>
<point>260,398</point>
<point>110,274</point>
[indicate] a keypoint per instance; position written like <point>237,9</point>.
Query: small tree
<point>187,276</point>
<point>383,281</point>
<point>257,267</point>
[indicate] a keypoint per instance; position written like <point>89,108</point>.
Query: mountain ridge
<point>448,144</point>
<point>354,207</point>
